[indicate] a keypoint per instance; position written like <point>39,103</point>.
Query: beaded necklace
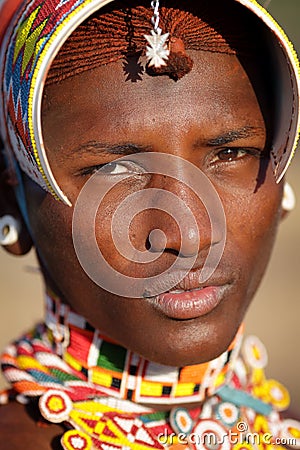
<point>103,392</point>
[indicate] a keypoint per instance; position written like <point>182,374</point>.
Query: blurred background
<point>275,313</point>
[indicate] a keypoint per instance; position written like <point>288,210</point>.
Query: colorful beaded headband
<point>31,34</point>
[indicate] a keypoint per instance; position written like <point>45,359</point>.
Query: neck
<point>123,374</point>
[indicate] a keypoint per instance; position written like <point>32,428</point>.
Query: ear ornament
<point>288,199</point>
<point>9,230</point>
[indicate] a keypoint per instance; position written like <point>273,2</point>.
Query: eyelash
<point>90,170</point>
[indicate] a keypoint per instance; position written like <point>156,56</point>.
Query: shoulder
<point>19,429</point>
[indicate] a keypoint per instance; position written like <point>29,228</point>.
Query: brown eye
<point>230,154</point>
<point>234,154</point>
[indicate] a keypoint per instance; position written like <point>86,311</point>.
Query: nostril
<point>190,243</point>
<point>157,241</point>
<point>187,246</point>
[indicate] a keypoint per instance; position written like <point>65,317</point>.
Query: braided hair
<point>117,31</point>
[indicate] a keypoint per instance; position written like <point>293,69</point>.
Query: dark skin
<point>20,427</point>
<point>191,118</point>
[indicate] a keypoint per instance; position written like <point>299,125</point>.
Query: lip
<point>190,304</point>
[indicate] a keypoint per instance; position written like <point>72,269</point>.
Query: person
<point>144,154</point>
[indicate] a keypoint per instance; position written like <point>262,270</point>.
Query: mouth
<point>185,304</point>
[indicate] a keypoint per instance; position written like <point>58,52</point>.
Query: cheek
<point>51,225</point>
<point>252,222</point>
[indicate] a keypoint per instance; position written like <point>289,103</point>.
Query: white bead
<point>288,199</point>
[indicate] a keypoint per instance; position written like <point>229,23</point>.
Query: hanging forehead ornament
<point>157,52</point>
<point>33,31</point>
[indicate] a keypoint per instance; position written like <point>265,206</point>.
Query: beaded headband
<point>32,33</point>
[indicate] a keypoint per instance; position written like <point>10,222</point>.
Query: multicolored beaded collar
<point>103,392</point>
<point>79,353</point>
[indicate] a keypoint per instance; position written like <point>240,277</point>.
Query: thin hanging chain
<point>155,17</point>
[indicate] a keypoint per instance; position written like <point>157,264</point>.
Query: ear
<point>9,206</point>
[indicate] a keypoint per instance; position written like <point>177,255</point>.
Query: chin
<point>192,344</point>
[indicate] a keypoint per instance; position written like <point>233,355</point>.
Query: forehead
<point>216,95</point>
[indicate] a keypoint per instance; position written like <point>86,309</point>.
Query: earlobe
<point>14,236</point>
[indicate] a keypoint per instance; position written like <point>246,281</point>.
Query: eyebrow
<point>123,148</point>
<point>235,135</point>
<point>128,148</point>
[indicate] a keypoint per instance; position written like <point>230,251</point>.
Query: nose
<point>185,242</point>
<point>183,218</point>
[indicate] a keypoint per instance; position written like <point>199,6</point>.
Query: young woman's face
<point>210,118</point>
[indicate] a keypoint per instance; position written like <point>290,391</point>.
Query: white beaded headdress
<point>31,34</point>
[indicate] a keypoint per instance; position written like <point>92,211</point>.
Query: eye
<point>114,168</point>
<point>230,154</point>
